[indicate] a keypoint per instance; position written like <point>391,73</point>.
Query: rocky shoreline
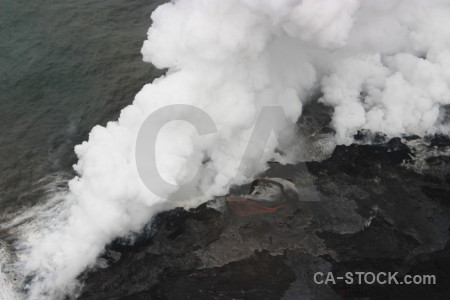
<point>376,213</point>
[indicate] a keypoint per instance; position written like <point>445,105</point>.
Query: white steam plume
<point>383,66</point>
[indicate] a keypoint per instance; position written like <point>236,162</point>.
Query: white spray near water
<point>383,66</point>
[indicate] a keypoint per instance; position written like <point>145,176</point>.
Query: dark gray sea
<point>65,66</point>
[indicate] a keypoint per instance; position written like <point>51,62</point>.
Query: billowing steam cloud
<point>383,66</point>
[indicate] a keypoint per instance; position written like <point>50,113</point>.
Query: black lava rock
<point>374,214</point>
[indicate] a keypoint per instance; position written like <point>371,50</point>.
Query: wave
<point>382,65</point>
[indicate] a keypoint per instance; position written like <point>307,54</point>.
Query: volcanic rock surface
<point>383,207</point>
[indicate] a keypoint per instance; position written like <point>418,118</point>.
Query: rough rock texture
<point>372,208</point>
<point>376,213</point>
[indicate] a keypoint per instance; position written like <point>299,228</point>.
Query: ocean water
<point>65,66</point>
